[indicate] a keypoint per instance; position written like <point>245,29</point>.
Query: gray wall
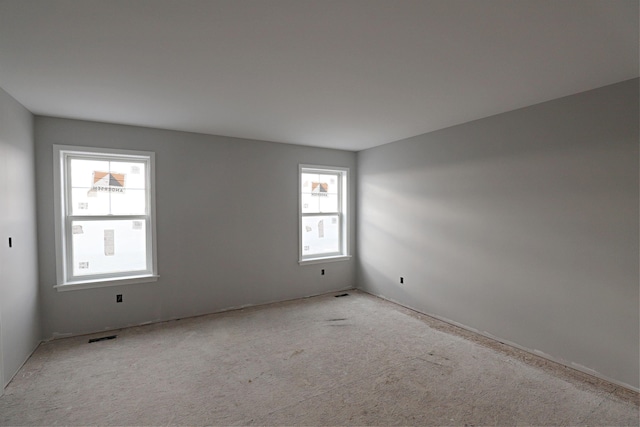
<point>522,226</point>
<point>19,308</point>
<point>226,220</point>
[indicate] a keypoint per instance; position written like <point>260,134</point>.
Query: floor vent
<point>110,337</point>
<point>341,295</point>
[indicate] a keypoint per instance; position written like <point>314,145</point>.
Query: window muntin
<point>104,215</point>
<point>323,206</point>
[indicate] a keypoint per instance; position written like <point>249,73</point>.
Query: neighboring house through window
<point>323,213</point>
<point>105,225</point>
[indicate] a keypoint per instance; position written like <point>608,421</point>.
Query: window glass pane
<point>307,179</point>
<point>81,171</point>
<point>113,246</point>
<point>107,187</point>
<point>329,203</point>
<point>87,202</point>
<point>320,235</point>
<point>135,173</point>
<point>134,203</point>
<point>310,204</point>
<point>326,184</point>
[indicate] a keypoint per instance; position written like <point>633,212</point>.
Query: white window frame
<point>62,154</point>
<point>344,252</point>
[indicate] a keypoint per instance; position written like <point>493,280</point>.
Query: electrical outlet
<point>322,272</point>
<point>119,298</point>
<point>401,280</point>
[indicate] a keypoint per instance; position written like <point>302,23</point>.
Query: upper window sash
<point>92,180</point>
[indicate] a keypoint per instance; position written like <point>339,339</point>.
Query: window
<point>105,228</point>
<point>323,214</point>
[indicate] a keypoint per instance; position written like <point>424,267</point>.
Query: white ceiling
<point>347,74</point>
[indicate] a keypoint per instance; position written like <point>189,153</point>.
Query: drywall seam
<point>565,363</point>
<point>18,370</point>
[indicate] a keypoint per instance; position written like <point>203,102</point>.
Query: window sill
<point>103,283</point>
<point>324,259</point>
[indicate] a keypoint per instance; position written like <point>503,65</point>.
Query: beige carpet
<point>355,360</point>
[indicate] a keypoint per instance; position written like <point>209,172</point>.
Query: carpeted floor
<point>354,360</point>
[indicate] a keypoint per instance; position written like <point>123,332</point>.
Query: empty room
<point>319,212</point>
